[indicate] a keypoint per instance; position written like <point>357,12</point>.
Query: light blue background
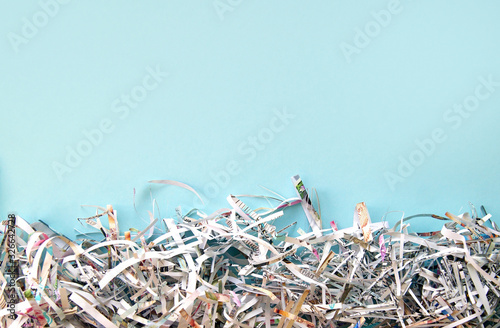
<point>353,121</point>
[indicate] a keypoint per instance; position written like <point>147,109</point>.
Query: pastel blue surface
<point>392,103</point>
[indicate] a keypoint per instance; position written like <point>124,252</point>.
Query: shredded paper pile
<point>235,268</point>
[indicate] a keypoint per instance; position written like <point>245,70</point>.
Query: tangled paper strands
<point>234,268</point>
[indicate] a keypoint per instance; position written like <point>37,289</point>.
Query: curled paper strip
<point>235,268</point>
